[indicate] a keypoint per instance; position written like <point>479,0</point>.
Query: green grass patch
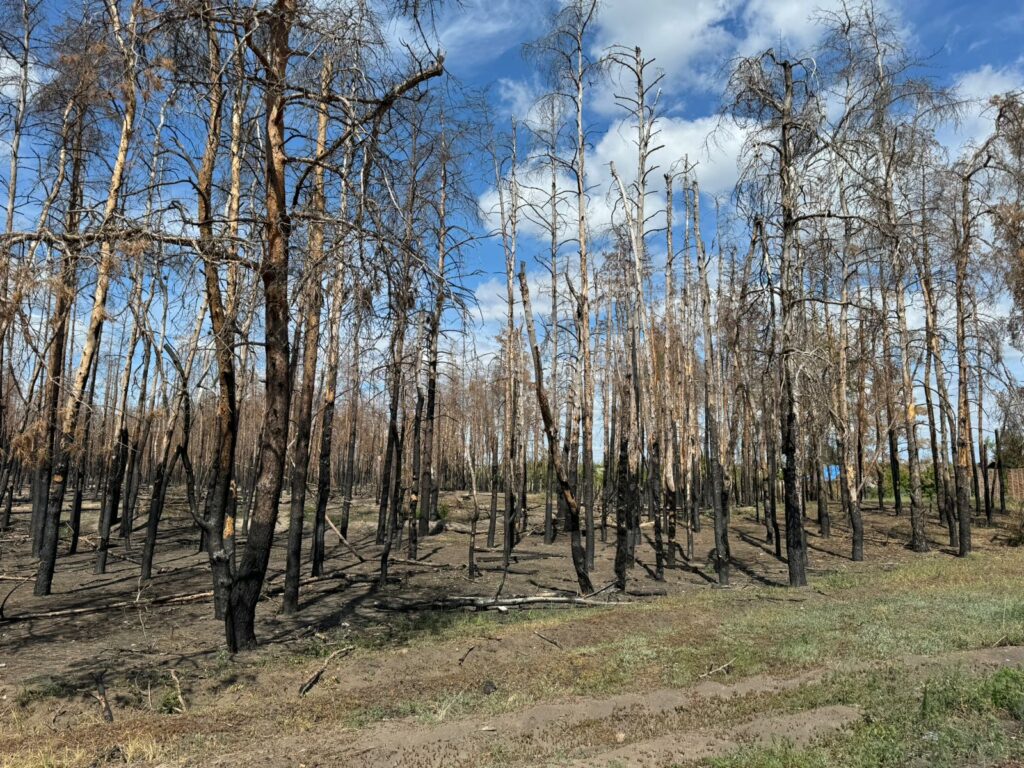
<point>925,607</point>
<point>951,718</point>
<point>45,688</point>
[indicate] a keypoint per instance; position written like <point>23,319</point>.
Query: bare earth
<point>246,711</point>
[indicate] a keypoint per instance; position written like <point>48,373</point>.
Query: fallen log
<point>351,578</point>
<point>653,592</point>
<point>425,564</point>
<point>168,600</point>
<point>488,603</point>
<point>441,526</point>
<point>343,540</point>
<point>356,578</point>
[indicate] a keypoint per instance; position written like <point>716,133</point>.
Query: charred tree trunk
<point>252,568</point>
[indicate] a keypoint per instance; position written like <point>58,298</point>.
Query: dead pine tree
<point>777,92</point>
<point>576,543</point>
<point>125,33</point>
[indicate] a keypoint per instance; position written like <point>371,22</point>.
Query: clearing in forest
<point>902,659</point>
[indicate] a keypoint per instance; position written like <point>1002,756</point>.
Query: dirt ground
<point>159,652</point>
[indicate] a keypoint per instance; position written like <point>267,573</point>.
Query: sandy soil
<point>134,634</point>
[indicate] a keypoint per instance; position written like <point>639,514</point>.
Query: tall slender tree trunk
<point>963,426</point>
<point>579,560</point>
<point>426,468</point>
<point>796,545</point>
<point>252,568</point>
<point>64,441</point>
<point>918,536</point>
<point>315,259</point>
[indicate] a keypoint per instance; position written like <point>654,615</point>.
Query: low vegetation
<point>894,641</point>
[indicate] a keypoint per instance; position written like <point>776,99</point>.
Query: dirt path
<point>799,729</point>
<point>431,667</point>
<point>635,730</point>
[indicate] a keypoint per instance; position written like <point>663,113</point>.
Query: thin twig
<point>716,670</point>
<point>177,685</point>
<point>307,686</point>
<point>343,540</point>
<point>100,694</point>
<point>549,640</point>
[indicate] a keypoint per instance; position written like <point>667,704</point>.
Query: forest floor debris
<point>919,654</point>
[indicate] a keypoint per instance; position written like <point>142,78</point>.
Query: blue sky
<point>974,46</point>
<point>692,39</point>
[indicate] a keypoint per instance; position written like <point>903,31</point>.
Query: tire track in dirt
<point>799,729</point>
<point>416,744</point>
<point>541,731</point>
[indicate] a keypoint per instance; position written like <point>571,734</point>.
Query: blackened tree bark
<point>125,36</point>
<point>252,567</point>
<point>576,543</point>
<point>315,259</point>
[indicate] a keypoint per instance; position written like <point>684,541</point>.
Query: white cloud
<point>692,42</point>
<point>517,96</point>
<point>477,31</point>
<point>686,39</point>
<point>521,99</point>
<point>767,22</point>
<point>492,297</point>
<point>471,33</point>
<point>977,87</point>
<point>10,77</point>
<point>491,300</point>
<point>714,151</point>
<point>492,308</point>
<point>534,183</point>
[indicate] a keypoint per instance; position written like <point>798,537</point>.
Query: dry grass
<point>880,610</point>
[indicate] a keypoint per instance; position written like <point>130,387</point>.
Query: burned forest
<point>564,382</point>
